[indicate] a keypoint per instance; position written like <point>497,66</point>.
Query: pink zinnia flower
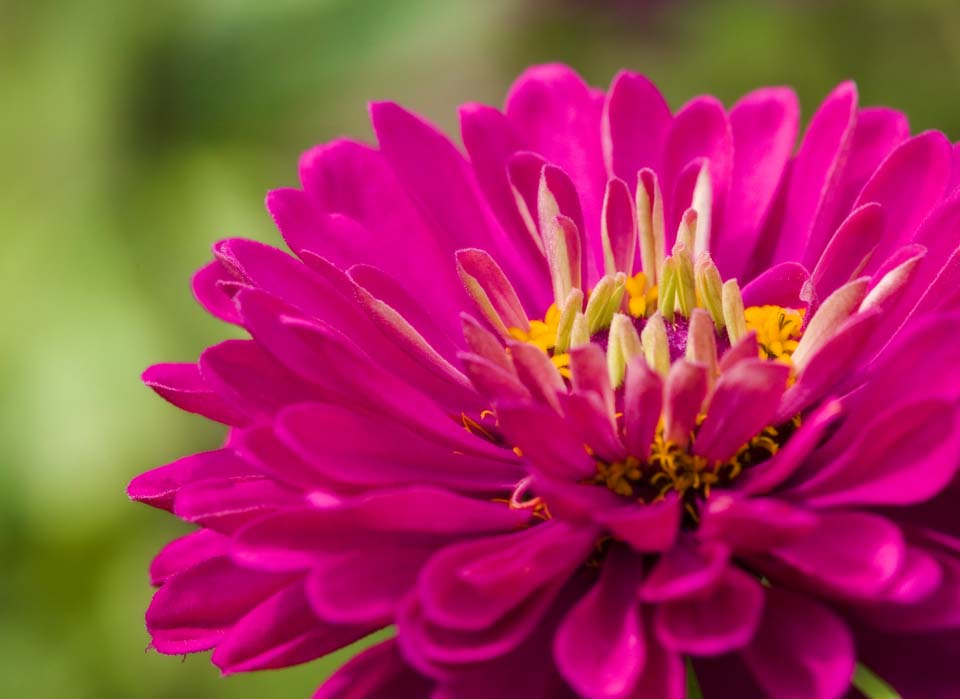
<point>623,391</point>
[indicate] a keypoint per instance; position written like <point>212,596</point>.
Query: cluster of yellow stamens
<point>642,298</point>
<point>673,468</point>
<point>778,330</point>
<point>641,301</point>
<point>543,334</point>
<point>620,475</point>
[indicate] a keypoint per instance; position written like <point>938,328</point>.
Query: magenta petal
<point>352,179</point>
<point>801,651</point>
<point>497,291</point>
<point>582,502</point>
<point>832,367</point>
<point>484,343</point>
<point>560,185</point>
<point>527,671</point>
<point>699,130</point>
<point>210,287</point>
<point>646,528</point>
<point>684,570</point>
<point>391,338</point>
<point>599,431</point>
<point>940,294</point>
<point>441,332</point>
<point>537,373</point>
<point>366,585</point>
<point>719,619</point>
<point>878,131</point>
<point>955,173</point>
<point>472,585</point>
<point>436,650</point>
<point>744,401</point>
<point>261,447</point>
<point>524,170</point>
<point>746,348</point>
<point>547,440</point>
<point>642,402</point>
<point>492,380</point>
<point>817,167</point>
<point>588,365</point>
<point>620,225</point>
<point>557,116</point>
<point>908,184</point>
<point>919,578</point>
<point>159,486</point>
<point>241,372</point>
<point>183,386</point>
<point>684,391</point>
<point>377,673</point>
<point>417,358</point>
<point>636,119</point>
<point>850,248</point>
<point>766,476</point>
<point>307,348</point>
<point>562,234</point>
<point>291,539</point>
<point>664,674</point>
<point>491,140</point>
<point>435,175</point>
<point>885,466</point>
<point>911,252</point>
<point>559,200</point>
<point>321,290</point>
<point>937,610</point>
<point>225,506</point>
<point>853,554</point>
<point>764,125</point>
<point>280,632</point>
<point>195,609</point>
<point>185,553</point>
<point>753,525</point>
<point>786,284</point>
<point>600,646</point>
<point>306,227</point>
<point>897,373</point>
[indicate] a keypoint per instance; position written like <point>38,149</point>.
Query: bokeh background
<point>134,134</point>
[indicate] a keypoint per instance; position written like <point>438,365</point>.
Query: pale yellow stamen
<point>732,304</point>
<point>686,286</point>
<point>709,288</point>
<point>668,289</point>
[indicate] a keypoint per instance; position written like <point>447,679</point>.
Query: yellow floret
<point>778,330</point>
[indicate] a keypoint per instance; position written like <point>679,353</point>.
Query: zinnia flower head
<point>620,392</point>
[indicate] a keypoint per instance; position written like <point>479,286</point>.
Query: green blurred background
<point>134,134</point>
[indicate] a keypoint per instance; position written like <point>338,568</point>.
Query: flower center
<point>674,310</point>
<point>670,466</point>
<point>778,330</point>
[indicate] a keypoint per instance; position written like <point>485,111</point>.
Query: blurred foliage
<point>134,134</point>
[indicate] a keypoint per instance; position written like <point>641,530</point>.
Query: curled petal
<point>600,646</point>
<point>801,650</point>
